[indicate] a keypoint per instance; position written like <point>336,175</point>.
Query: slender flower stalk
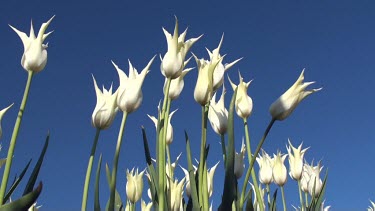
<point>88,171</point>
<point>13,140</point>
<point>300,195</point>
<point>242,198</point>
<point>268,195</point>
<point>202,174</point>
<point>250,157</point>
<point>115,162</point>
<point>283,196</point>
<point>161,147</point>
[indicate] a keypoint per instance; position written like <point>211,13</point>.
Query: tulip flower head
<point>210,179</point>
<point>261,191</point>
<point>295,161</point>
<point>169,137</point>
<point>265,163</point>
<point>173,61</point>
<point>175,193</point>
<point>371,207</point>
<point>2,112</point>
<point>218,114</point>
<point>130,96</point>
<point>203,90</point>
<point>220,69</point>
<point>239,165</point>
<point>134,185</point>
<point>287,102</point>
<point>315,183</point>
<point>243,103</point>
<point>105,109</point>
<point>146,207</point>
<point>187,178</point>
<point>34,56</point>
<point>305,177</point>
<point>177,85</point>
<point>279,172</point>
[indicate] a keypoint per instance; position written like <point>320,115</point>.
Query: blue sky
<point>333,40</point>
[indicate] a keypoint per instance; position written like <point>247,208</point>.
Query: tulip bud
<point>239,165</point>
<point>220,69</point>
<point>287,102</point>
<point>243,103</point>
<point>2,112</point>
<point>146,207</point>
<point>210,179</point>
<point>279,172</point>
<point>169,137</point>
<point>34,57</point>
<point>173,61</point>
<point>295,161</point>
<point>134,185</point>
<point>175,193</point>
<point>315,183</point>
<point>265,163</point>
<point>218,114</point>
<point>130,95</point>
<point>177,85</point>
<point>105,109</point>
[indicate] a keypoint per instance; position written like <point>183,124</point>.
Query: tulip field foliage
<point>253,179</point>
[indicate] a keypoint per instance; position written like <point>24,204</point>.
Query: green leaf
<point>249,203</point>
<point>16,182</point>
<point>273,201</point>
<point>230,192</point>
<point>96,200</point>
<point>108,174</point>
<point>118,202</point>
<point>24,202</point>
<point>193,184</point>
<point>150,167</point>
<point>34,175</point>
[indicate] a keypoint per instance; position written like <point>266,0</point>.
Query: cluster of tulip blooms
<point>165,191</point>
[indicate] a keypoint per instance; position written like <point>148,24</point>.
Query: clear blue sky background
<point>333,40</point>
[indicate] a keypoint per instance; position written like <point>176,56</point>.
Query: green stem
<point>242,199</point>
<point>115,163</point>
<point>306,200</point>
<point>300,195</point>
<point>89,169</point>
<point>223,149</point>
<point>169,162</point>
<point>202,175</point>
<point>250,157</point>
<point>283,196</point>
<point>268,195</point>
<point>13,140</point>
<point>162,132</point>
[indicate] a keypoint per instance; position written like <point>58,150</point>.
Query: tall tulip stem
<point>13,140</point>
<point>242,199</point>
<point>283,196</point>
<point>89,169</point>
<point>202,174</point>
<point>268,195</point>
<point>300,195</point>
<point>250,157</point>
<point>115,162</point>
<point>161,147</point>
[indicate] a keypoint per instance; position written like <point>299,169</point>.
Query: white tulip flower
<point>243,103</point>
<point>105,109</point>
<point>130,95</point>
<point>34,57</point>
<point>218,114</point>
<point>295,160</point>
<point>287,102</point>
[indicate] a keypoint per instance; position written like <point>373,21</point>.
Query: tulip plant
<point>166,192</point>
